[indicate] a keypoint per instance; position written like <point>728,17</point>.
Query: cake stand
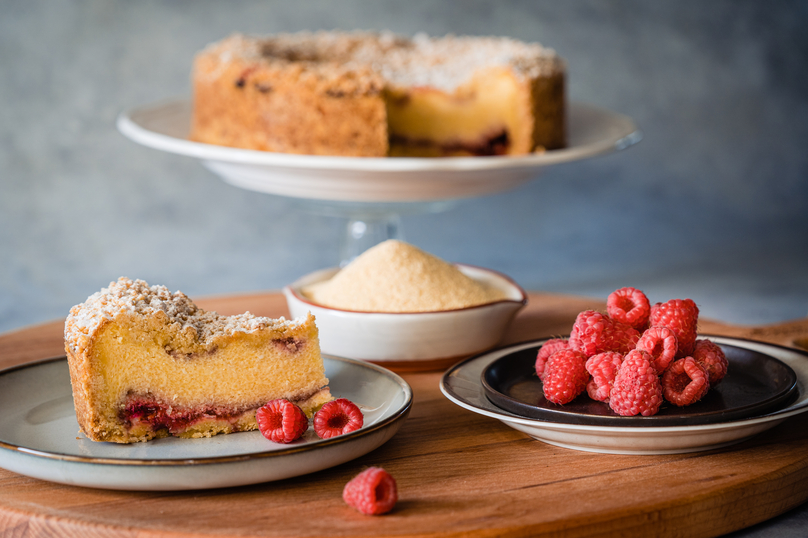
<point>372,193</point>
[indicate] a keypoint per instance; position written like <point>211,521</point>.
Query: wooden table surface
<point>459,474</point>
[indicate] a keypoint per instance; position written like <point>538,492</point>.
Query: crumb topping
<point>126,296</point>
<point>442,63</point>
<point>446,63</point>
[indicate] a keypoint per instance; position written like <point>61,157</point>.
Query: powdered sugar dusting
<point>446,63</point>
<point>126,296</point>
<point>442,63</point>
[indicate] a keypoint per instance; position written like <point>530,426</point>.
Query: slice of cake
<point>378,94</point>
<point>146,363</point>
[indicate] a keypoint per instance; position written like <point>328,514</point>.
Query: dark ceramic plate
<point>755,384</point>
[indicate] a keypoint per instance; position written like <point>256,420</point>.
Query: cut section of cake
<point>147,363</point>
<point>378,94</point>
<point>458,96</point>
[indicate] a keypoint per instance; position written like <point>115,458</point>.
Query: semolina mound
<point>398,277</point>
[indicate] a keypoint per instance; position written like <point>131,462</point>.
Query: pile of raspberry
<point>633,357</point>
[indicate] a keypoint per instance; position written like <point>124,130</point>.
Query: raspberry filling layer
<point>494,144</point>
<point>146,410</point>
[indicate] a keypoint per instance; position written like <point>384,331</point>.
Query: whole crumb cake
<point>395,276</point>
<point>377,94</point>
<point>147,363</point>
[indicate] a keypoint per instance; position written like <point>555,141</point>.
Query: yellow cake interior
<point>481,117</point>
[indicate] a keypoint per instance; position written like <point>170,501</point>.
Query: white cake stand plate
<point>371,192</point>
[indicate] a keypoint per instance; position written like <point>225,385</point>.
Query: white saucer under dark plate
<point>165,125</point>
<point>39,436</point>
<point>744,407</point>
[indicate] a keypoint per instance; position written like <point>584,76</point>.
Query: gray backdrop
<point>712,204</point>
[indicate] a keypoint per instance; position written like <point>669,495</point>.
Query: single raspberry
<point>636,389</point>
<point>681,316</point>
<point>711,357</point>
<point>661,344</point>
<point>629,306</point>
<point>547,349</point>
<point>337,417</point>
<point>595,333</point>
<point>685,382</point>
<point>372,492</point>
<point>603,368</point>
<point>281,421</point>
<point>565,376</point>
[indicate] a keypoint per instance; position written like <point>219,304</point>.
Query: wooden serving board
<point>458,473</point>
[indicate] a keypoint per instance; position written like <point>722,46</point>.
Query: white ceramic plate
<point>39,436</point>
<point>463,386</point>
<point>165,125</point>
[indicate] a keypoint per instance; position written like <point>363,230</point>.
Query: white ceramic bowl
<point>410,337</point>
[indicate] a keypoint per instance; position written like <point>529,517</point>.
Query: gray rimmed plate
<point>39,436</point>
<point>462,385</point>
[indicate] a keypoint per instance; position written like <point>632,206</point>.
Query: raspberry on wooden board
<point>371,492</point>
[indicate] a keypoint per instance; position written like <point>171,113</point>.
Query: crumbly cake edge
<point>127,296</point>
<point>440,62</point>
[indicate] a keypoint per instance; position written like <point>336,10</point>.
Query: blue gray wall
<point>712,204</point>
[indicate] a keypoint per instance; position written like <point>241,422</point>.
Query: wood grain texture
<point>459,474</point>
